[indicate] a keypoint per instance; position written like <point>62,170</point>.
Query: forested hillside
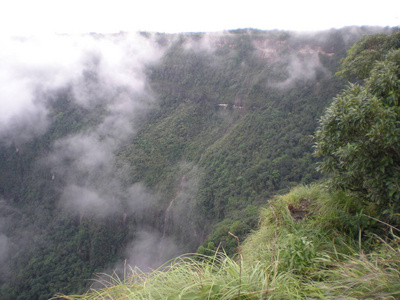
<point>141,154</point>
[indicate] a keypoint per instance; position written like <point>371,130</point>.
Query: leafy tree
<point>361,57</point>
<point>359,135</point>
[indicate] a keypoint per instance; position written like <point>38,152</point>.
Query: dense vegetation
<point>232,126</point>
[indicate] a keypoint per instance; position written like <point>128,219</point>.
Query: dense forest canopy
<point>137,148</point>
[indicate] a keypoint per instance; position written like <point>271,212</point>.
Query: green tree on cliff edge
<point>359,134</point>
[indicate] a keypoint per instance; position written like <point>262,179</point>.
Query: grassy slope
<point>310,244</point>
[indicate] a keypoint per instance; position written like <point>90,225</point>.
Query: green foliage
<point>370,276</point>
<point>362,56</point>
<point>195,277</point>
<point>358,137</point>
<point>299,228</point>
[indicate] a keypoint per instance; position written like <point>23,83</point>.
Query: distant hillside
<point>148,146</point>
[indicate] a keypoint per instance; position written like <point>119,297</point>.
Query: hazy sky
<point>26,17</point>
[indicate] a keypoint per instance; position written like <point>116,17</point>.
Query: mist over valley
<point>131,149</point>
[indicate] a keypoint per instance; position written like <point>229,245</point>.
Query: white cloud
<point>87,201</point>
<point>31,67</point>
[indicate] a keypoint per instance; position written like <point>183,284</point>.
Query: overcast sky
<point>27,17</point>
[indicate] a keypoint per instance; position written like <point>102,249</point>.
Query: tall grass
<point>310,245</point>
<point>190,277</point>
<point>375,275</point>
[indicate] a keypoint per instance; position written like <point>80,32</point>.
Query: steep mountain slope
<point>160,153</point>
